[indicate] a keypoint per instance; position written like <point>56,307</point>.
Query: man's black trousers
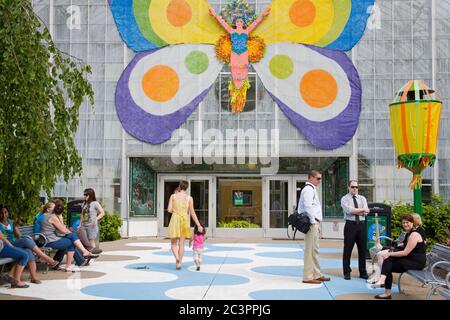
<point>354,233</point>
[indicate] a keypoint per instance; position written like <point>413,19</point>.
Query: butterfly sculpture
<point>304,69</point>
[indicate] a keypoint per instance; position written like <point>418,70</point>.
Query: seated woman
<point>7,250</point>
<point>418,225</point>
<point>12,233</point>
<point>411,258</point>
<point>48,208</point>
<point>62,239</point>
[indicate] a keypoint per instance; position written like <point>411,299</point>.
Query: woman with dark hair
<point>63,239</point>
<point>91,213</point>
<point>180,205</point>
<point>12,233</point>
<point>412,257</point>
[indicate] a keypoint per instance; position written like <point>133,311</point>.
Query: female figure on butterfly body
<point>239,55</point>
<point>239,50</point>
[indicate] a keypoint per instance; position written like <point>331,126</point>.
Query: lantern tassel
<point>416,182</point>
<point>415,162</point>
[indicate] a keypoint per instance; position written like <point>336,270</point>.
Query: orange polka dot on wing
<point>302,13</point>
<point>318,88</point>
<point>179,13</point>
<point>160,83</point>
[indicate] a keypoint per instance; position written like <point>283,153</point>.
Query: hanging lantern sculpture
<point>415,114</point>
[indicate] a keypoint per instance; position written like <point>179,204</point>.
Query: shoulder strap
<point>308,185</point>
<point>314,197</point>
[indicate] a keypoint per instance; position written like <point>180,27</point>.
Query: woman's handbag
<point>300,221</point>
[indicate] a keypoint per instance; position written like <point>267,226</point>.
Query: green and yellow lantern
<point>415,114</point>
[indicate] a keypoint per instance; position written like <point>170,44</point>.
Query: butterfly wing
<point>318,89</point>
<point>335,24</point>
<point>131,17</point>
<point>149,24</point>
<point>159,89</point>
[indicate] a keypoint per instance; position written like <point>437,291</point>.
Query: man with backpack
<point>310,204</point>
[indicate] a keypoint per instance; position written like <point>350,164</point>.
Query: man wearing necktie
<point>355,210</point>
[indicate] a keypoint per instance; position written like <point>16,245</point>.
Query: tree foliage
<point>41,90</point>
<point>435,218</point>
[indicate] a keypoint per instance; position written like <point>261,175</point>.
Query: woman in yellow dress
<point>180,205</point>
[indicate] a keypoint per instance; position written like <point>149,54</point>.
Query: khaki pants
<point>311,266</point>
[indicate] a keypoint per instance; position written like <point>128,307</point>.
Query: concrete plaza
<point>232,269</point>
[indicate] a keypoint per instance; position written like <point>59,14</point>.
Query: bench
<point>445,290</point>
<point>436,272</point>
<point>4,262</point>
<point>28,231</point>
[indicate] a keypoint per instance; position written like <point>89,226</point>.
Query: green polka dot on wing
<point>281,66</point>
<point>196,62</point>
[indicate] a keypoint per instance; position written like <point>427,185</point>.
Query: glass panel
<point>334,186</point>
<point>200,195</point>
<point>142,188</point>
<point>239,200</point>
<point>169,189</point>
<point>279,202</point>
<point>299,185</point>
<point>426,190</point>
<point>291,165</point>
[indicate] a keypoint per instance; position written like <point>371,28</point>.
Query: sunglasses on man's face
<point>319,178</point>
<point>354,187</point>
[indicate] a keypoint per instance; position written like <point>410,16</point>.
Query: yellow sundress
<point>179,222</point>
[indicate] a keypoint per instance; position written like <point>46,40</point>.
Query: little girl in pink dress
<point>198,239</point>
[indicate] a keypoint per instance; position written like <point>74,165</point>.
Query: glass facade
<point>406,39</point>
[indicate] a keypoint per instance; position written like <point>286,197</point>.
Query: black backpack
<point>300,221</point>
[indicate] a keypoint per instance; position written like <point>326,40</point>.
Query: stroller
<point>397,244</point>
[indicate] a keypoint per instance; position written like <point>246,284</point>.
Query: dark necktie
<point>355,203</point>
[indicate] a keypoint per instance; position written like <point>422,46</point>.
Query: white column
<point>435,185</point>
<point>124,196</point>
<point>353,162</point>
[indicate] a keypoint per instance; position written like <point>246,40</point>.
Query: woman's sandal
<point>53,264</point>
<point>85,262</point>
<point>178,265</point>
<point>20,286</point>
<point>91,256</point>
<point>377,285</point>
<point>379,296</point>
<point>36,281</point>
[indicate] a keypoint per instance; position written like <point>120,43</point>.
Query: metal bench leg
<point>398,284</point>
<point>431,291</point>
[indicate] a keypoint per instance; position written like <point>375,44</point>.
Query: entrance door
<point>201,190</point>
<point>281,195</point>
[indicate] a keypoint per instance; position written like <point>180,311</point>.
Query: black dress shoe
<point>364,276</point>
<point>379,296</point>
<point>347,276</point>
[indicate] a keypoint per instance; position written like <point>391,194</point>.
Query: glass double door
<point>201,188</point>
<point>281,195</point>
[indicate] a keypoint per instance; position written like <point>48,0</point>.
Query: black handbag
<point>38,238</point>
<point>300,221</point>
